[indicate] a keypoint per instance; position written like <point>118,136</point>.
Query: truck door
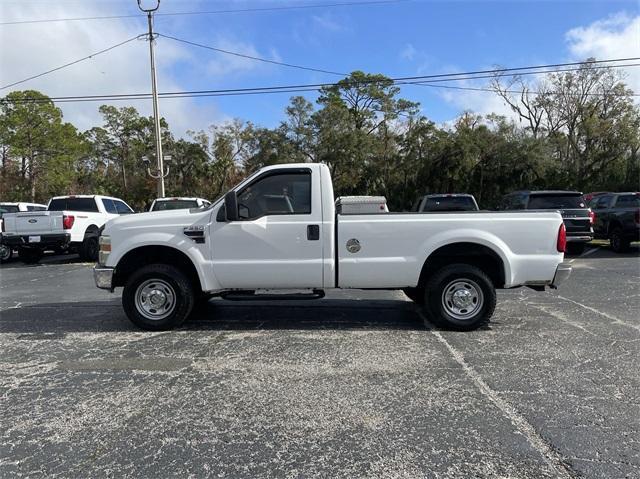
<point>277,241</point>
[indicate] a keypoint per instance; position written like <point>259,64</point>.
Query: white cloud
<point>30,49</point>
<point>327,21</point>
<point>617,36</point>
<point>408,52</point>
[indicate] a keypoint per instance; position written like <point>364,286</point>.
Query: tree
<point>38,143</point>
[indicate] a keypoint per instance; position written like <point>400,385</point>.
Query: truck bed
<point>394,246</point>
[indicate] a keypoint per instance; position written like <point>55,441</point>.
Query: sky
<point>404,38</point>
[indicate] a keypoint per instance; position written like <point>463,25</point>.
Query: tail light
<point>592,217</point>
<point>67,221</point>
<point>562,239</point>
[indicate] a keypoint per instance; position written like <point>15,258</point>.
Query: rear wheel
<point>459,297</point>
<point>619,243</point>
<point>29,255</point>
<point>5,253</point>
<point>89,249</point>
<point>158,297</point>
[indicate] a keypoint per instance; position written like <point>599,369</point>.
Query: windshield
<point>449,203</point>
<point>174,205</point>
<point>9,208</point>
<point>546,202</point>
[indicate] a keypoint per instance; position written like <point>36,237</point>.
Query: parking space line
<point>606,315</point>
<point>550,455</point>
<point>559,316</point>
<point>589,251</point>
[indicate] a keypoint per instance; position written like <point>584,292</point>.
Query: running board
<point>250,295</point>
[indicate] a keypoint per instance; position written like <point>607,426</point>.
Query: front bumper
<point>45,240</point>
<point>563,271</point>
<point>103,277</point>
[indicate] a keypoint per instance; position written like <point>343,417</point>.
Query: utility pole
<point>156,111</point>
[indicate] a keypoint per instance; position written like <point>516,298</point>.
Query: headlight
<point>105,249</point>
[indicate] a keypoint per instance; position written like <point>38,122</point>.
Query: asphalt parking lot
<point>350,386</point>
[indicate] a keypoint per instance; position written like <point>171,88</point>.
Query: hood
<point>157,218</point>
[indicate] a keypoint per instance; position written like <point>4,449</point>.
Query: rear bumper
<point>103,277</point>
<point>579,237</point>
<point>563,271</point>
<point>61,239</point>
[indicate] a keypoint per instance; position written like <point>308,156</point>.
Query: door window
<point>276,194</point>
<point>109,206</point>
<point>628,201</point>
<point>122,208</point>
<point>603,202</point>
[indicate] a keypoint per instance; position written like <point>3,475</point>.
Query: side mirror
<point>231,206</point>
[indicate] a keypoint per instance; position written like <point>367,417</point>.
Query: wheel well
<point>474,254</point>
<point>145,255</point>
<point>92,230</point>
<point>612,226</point>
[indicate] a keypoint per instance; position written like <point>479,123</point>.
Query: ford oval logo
<point>33,221</point>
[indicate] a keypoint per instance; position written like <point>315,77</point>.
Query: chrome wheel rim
<point>155,299</point>
<point>462,299</point>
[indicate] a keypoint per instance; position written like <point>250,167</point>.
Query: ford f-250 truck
<point>277,231</point>
<point>70,221</point>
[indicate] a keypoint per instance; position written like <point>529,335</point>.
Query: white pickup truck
<point>70,221</point>
<point>278,231</point>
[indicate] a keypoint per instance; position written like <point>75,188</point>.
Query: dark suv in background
<point>617,219</point>
<point>578,218</point>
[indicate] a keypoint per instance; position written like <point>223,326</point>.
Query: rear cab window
<point>552,201</point>
<point>174,205</point>
<point>449,203</point>
<point>87,205</point>
<point>10,208</point>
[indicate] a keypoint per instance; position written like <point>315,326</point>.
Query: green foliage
<point>579,130</point>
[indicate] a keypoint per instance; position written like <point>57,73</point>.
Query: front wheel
<point>414,294</point>
<point>158,297</point>
<point>5,253</point>
<point>460,297</point>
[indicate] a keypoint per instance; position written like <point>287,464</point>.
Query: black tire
<point>470,279</point>
<point>415,294</point>
<point>165,278</point>
<point>89,249</point>
<point>30,255</point>
<point>575,248</point>
<point>619,243</point>
<point>6,253</point>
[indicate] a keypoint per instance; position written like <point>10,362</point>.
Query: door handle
<point>313,232</point>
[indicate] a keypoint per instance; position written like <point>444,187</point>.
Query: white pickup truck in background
<point>278,231</point>
<point>69,222</point>
<point>178,203</point>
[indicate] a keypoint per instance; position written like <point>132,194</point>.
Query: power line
<point>70,63</point>
<point>294,88</point>
<point>210,12</point>
<point>250,57</point>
